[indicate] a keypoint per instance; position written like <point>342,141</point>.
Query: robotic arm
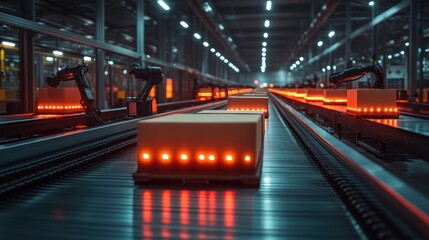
<point>356,73</point>
<point>152,76</point>
<point>77,73</point>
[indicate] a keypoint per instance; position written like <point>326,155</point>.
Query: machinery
<point>355,73</point>
<point>373,103</point>
<point>142,106</point>
<point>87,101</point>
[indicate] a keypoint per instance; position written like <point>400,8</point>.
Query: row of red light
<point>338,100</point>
<point>184,158</point>
<point>315,98</point>
<point>247,109</point>
<point>59,107</point>
<point>372,109</point>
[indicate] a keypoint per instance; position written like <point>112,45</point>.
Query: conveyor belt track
<point>102,202</point>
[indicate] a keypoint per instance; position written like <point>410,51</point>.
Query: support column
<point>26,56</point>
<point>100,57</point>
<point>140,30</point>
<point>412,55</point>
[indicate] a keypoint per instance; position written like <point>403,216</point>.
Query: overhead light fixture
<point>268,6</point>
<point>320,43</point>
<point>212,50</point>
<point>328,67</point>
<point>265,35</point>
<point>110,62</point>
<point>264,58</point>
<point>184,24</point>
<point>87,58</point>
<point>301,59</point>
<point>331,34</point>
<point>264,44</point>
<point>264,49</point>
<point>207,8</point>
<point>57,53</point>
<point>49,59</point>
<point>264,54</point>
<point>267,23</point>
<point>230,39</point>
<point>297,62</point>
<point>221,27</point>
<point>206,44</point>
<point>222,58</point>
<point>163,5</point>
<point>218,54</point>
<point>389,57</point>
<point>225,60</point>
<point>6,43</point>
<point>197,35</point>
<point>371,3</point>
<point>402,52</point>
<point>407,44</point>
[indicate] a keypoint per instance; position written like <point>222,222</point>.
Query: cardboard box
<point>372,103</point>
<point>184,145</point>
<point>58,100</point>
<point>335,96</point>
<point>314,95</point>
<point>260,113</point>
<point>248,103</point>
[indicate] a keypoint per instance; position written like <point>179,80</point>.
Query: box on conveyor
<point>58,100</point>
<point>314,95</point>
<point>200,147</point>
<point>335,96</point>
<point>378,103</point>
<point>248,103</point>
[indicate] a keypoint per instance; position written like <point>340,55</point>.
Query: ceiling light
<point>221,27</point>
<point>265,35</point>
<point>389,57</point>
<point>184,24</point>
<point>87,58</point>
<point>225,60</point>
<point>206,44</point>
<point>110,62</point>
<point>222,58</point>
<point>301,59</point>
<point>10,44</point>
<point>371,3</point>
<point>264,54</point>
<point>264,44</point>
<point>331,34</point>
<point>230,39</point>
<point>297,62</point>
<point>57,52</point>
<point>197,35</point>
<point>264,49</point>
<point>407,44</point>
<point>267,23</point>
<point>49,59</point>
<point>320,43</point>
<point>268,6</point>
<point>212,50</point>
<point>264,58</point>
<point>207,8</point>
<point>218,54</point>
<point>163,5</point>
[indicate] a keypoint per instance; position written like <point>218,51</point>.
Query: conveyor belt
<point>102,202</point>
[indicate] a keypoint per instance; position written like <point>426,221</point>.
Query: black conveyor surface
<point>102,202</point>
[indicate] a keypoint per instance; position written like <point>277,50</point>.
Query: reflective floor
<point>102,202</point>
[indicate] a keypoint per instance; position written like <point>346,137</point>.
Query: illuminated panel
<point>372,103</point>
<point>204,93</point>
<point>169,88</point>
<point>314,95</point>
<point>260,113</point>
<point>58,100</point>
<point>246,103</point>
<point>335,96</point>
<point>163,141</point>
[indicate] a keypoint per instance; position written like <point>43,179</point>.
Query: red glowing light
<point>228,158</point>
<point>212,208</point>
<point>202,208</point>
<point>145,156</point>
<point>229,207</point>
<point>201,157</point>
<point>147,206</point>
<point>211,157</point>
<point>165,156</point>
<point>247,158</point>
<point>184,207</point>
<point>184,157</point>
<point>166,206</point>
